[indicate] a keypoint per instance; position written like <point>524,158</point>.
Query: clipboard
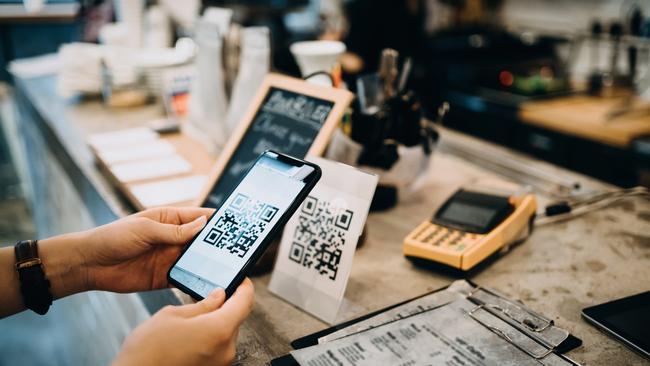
<point>491,305</point>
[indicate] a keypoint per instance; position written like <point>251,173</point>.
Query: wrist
<point>64,264</point>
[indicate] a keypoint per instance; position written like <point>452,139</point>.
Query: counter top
<point>559,270</point>
<point>614,121</point>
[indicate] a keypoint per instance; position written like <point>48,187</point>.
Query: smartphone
<point>239,232</point>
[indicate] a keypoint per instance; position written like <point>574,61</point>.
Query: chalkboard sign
<point>288,115</point>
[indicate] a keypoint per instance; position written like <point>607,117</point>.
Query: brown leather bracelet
<point>34,286</point>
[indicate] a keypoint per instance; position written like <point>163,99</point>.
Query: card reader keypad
<point>440,236</point>
<point>435,239</point>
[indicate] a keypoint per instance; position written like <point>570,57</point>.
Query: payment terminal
<point>469,227</point>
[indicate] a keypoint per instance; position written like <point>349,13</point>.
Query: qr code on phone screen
<point>319,237</point>
<point>242,223</point>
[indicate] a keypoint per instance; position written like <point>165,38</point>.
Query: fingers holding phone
<point>194,334</point>
<point>235,310</point>
<point>239,232</point>
<point>214,265</point>
<point>211,303</point>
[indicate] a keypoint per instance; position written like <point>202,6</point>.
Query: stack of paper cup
<point>81,69</point>
<point>254,65</point>
<point>114,34</point>
<point>208,100</point>
<point>158,30</point>
<point>153,62</point>
<point>130,12</point>
<point>185,16</point>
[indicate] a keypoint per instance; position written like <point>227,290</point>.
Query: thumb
<point>171,234</point>
<point>210,303</point>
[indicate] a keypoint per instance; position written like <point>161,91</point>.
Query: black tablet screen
<point>629,318</point>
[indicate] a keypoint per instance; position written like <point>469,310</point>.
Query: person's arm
<point>131,254</point>
<point>63,267</point>
<point>134,254</point>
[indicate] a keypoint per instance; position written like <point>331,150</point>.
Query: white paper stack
<point>140,156</point>
<point>146,150</point>
<point>80,69</point>
<point>150,168</point>
<point>117,139</point>
<point>169,191</point>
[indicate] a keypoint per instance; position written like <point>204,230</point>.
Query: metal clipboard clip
<point>504,335</point>
<point>533,322</point>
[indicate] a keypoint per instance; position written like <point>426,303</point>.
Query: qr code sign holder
<point>320,235</point>
<point>318,243</point>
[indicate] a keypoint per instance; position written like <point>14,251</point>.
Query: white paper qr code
<point>319,237</point>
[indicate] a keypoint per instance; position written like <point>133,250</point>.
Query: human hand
<point>204,333</point>
<point>130,254</point>
<point>135,253</point>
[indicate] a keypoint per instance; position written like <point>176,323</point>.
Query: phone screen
<point>233,234</point>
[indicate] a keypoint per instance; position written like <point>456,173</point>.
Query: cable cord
<point>566,210</point>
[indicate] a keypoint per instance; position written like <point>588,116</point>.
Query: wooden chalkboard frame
<point>340,97</point>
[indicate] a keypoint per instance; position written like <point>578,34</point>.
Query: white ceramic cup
<point>314,56</point>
